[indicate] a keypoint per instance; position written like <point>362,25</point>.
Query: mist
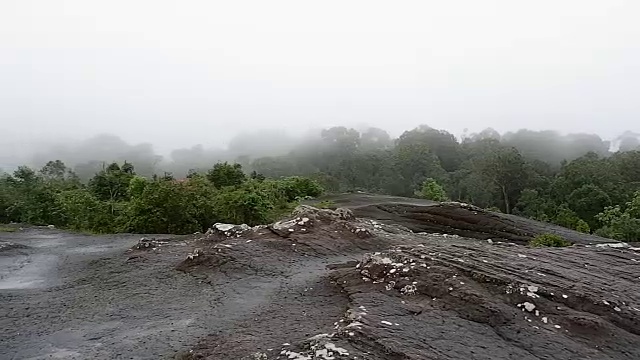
<point>209,81</point>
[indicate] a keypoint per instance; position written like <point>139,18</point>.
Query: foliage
<point>621,224</point>
<point>225,174</point>
<point>244,206</point>
<point>570,180</point>
<point>431,190</point>
<point>549,240</point>
<point>582,226</point>
<point>81,210</point>
<point>297,188</point>
<point>112,182</point>
<point>325,204</point>
<point>504,169</point>
<point>7,229</point>
<point>162,208</point>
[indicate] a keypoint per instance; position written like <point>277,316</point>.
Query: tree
<point>621,224</point>
<point>431,190</point>
<point>54,170</point>
<point>441,143</point>
<point>375,139</point>
<point>112,183</point>
<point>341,139</point>
<point>533,205</point>
<point>81,210</point>
<point>412,165</point>
<point>504,168</point>
<point>241,206</point>
<point>163,207</point>
<point>225,174</point>
<point>566,217</point>
<point>587,202</point>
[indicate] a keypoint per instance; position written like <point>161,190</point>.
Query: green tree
<point>225,174</point>
<point>243,206</point>
<point>81,210</point>
<point>441,143</point>
<point>566,217</point>
<point>412,165</point>
<point>587,202</point>
<point>112,183</point>
<point>503,168</point>
<point>534,205</point>
<point>621,224</point>
<point>431,190</point>
<point>163,207</point>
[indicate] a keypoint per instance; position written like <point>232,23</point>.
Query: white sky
<point>178,73</point>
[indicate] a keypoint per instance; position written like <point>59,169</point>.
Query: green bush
<point>326,204</point>
<point>549,240</point>
<point>583,227</point>
<point>298,188</point>
<point>7,229</point>
<point>431,190</point>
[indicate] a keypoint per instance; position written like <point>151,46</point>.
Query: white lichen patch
<point>408,290</point>
<point>195,254</point>
<point>390,285</point>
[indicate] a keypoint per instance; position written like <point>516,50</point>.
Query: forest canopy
<point>570,180</point>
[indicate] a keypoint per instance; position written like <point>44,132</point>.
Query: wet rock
<point>540,305</point>
<point>146,244</point>
<point>9,247</point>
<point>228,230</point>
<point>286,227</point>
<point>195,254</point>
<point>322,214</point>
<point>361,232</point>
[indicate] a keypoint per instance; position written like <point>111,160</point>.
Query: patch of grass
<point>7,229</point>
<point>325,204</point>
<point>549,240</point>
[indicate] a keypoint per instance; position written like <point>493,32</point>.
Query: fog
<point>199,80</point>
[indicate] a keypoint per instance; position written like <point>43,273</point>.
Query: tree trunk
<point>507,208</point>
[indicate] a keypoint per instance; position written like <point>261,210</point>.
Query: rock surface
<point>344,288</point>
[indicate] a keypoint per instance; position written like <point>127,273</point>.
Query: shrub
<point>549,240</point>
<point>297,187</point>
<point>431,190</point>
<point>7,229</point>
<point>583,227</point>
<point>326,204</point>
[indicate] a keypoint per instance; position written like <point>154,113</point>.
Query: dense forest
<point>570,180</point>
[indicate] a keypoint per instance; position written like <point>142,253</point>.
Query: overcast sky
<point>178,73</point>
